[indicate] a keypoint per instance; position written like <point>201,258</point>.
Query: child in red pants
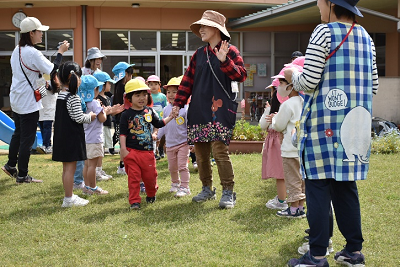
<point>137,142</point>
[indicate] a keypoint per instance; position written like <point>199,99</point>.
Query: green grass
<point>36,231</point>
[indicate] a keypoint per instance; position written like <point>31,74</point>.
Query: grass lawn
<point>36,231</point>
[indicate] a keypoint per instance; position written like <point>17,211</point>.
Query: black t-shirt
<point>136,125</point>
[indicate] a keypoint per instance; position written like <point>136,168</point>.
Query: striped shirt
<point>74,107</point>
<point>335,126</point>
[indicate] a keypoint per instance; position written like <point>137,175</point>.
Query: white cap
<point>29,24</point>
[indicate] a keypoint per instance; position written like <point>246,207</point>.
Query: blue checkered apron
<point>335,127</point>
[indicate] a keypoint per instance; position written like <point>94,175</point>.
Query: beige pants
<point>293,181</point>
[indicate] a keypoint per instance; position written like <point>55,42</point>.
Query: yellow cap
<point>176,81</point>
<point>135,85</point>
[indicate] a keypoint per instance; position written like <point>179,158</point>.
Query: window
<point>7,41</point>
<point>141,40</point>
<point>380,47</point>
<point>114,40</point>
<point>173,41</point>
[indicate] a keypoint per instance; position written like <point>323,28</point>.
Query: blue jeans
<point>45,129</point>
<point>78,176</point>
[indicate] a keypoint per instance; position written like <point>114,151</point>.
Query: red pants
<point>140,165</point>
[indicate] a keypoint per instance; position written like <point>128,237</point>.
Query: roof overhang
<point>303,12</point>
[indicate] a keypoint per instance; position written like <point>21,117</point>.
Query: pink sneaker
<point>182,192</point>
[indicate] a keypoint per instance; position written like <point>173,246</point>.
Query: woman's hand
<point>223,51</point>
<point>64,47</point>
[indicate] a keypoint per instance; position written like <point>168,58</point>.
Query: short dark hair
<point>128,96</point>
<point>25,39</point>
<point>342,12</point>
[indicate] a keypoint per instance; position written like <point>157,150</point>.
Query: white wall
<point>386,104</point>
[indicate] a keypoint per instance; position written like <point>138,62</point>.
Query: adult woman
<point>212,110</point>
<point>27,63</point>
<point>339,78</point>
<point>93,61</point>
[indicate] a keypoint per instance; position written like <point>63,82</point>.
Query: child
<point>284,121</point>
<point>272,166</point>
<point>123,73</point>
<point>88,90</point>
<point>176,142</point>
<point>69,136</point>
<point>137,144</point>
<point>46,115</point>
<point>116,109</point>
<point>159,103</point>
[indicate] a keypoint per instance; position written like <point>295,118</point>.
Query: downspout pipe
<point>84,41</point>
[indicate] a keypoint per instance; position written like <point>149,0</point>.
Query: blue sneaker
<point>142,188</point>
<point>308,260</point>
<point>350,259</point>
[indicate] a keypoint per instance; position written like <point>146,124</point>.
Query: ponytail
<point>68,74</point>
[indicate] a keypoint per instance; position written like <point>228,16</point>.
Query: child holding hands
<point>69,136</point>
<point>176,142</point>
<point>136,141</point>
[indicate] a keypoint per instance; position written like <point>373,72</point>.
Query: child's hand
<point>107,110</point>
<point>116,109</point>
<point>92,115</point>
<point>269,117</point>
<point>154,136</point>
<point>124,152</point>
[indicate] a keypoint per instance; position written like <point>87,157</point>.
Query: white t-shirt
<point>22,99</point>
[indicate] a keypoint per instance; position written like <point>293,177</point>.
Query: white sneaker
<point>195,167</point>
<point>276,205</point>
<point>182,192</point>
<point>79,186</point>
<point>174,188</point>
<point>102,172</point>
<point>75,201</point>
<point>121,171</point>
<point>101,177</point>
<point>306,247</point>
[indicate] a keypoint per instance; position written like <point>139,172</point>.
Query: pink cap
<point>153,78</point>
<point>140,78</point>
<point>275,83</point>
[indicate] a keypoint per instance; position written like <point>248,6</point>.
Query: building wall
<point>386,103</point>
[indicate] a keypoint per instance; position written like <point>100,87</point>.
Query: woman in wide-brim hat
<point>212,110</point>
<point>339,78</point>
<point>93,61</point>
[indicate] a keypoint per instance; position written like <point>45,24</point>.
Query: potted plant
<point>247,138</point>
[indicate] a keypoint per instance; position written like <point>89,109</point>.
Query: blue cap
<point>119,70</point>
<point>86,89</point>
<point>102,76</point>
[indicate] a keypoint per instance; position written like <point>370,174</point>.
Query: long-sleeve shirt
<point>74,108</point>
<point>284,121</point>
<point>233,67</point>
<point>176,130</point>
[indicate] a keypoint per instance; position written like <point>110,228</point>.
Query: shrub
<point>386,144</point>
<point>244,131</point>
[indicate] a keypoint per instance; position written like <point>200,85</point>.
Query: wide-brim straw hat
<point>213,19</point>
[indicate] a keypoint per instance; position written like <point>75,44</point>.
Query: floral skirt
<point>272,166</point>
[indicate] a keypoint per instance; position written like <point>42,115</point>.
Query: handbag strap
<point>212,70</point>
<point>20,60</point>
<point>344,39</point>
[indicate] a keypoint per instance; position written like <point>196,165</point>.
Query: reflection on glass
<point>56,36</point>
<point>114,40</point>
<point>144,66</point>
<point>141,40</point>
<point>7,41</point>
<point>173,41</point>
